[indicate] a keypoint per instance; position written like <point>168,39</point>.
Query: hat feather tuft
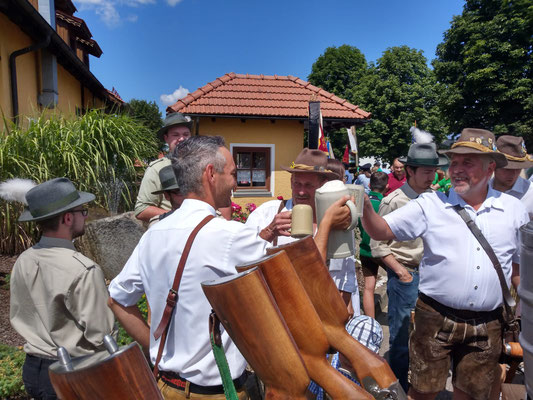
<point>421,136</point>
<point>15,189</point>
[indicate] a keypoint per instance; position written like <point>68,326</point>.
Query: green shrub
<point>123,337</point>
<point>11,361</point>
<point>96,151</point>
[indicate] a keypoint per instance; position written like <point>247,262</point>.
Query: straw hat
<point>309,160</point>
<point>477,141</point>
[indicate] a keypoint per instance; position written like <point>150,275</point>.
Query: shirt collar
<point>47,242</point>
<point>377,194</point>
<point>408,191</point>
<point>190,205</point>
<point>491,201</point>
<point>520,187</point>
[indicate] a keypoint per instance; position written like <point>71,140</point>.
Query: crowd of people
<point>435,266</point>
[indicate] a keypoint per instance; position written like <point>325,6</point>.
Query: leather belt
<point>173,379</point>
<point>464,315</point>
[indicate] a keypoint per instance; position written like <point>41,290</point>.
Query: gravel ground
<point>7,333</point>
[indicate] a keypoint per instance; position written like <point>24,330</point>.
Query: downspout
<point>13,71</point>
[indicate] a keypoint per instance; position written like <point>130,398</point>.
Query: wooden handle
<point>248,312</point>
<point>328,303</point>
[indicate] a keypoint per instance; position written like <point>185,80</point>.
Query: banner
<point>314,117</point>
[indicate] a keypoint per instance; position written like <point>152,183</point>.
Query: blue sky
<point>162,49</point>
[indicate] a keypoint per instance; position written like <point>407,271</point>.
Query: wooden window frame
<point>251,191</point>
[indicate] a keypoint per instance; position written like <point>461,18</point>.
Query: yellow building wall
<point>12,38</point>
<point>285,135</point>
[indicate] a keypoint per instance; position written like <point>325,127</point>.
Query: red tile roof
<point>264,95</point>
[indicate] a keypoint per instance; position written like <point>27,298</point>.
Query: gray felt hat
<point>52,198</point>
<point>423,155</point>
<point>174,119</point>
<point>168,180</point>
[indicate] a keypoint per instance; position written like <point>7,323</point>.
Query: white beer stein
<point>341,243</point>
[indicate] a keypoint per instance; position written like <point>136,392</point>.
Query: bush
<point>96,151</point>
<point>11,361</point>
<point>123,337</point>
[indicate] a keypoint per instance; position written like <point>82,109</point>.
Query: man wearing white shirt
<point>457,315</point>
<point>206,174</point>
<point>309,171</point>
<point>508,179</point>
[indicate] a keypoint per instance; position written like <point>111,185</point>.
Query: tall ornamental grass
<point>96,151</point>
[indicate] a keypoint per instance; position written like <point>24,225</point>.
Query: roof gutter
<point>13,73</point>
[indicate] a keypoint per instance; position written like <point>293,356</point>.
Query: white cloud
<point>168,99</point>
<point>107,10</point>
<point>172,3</point>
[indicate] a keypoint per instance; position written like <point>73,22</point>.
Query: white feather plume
<point>421,136</point>
<point>16,189</point>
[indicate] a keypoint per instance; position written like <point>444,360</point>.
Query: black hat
<point>168,180</point>
<point>365,167</point>
<point>52,198</point>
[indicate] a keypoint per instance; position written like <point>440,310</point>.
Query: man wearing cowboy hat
<point>176,129</point>
<point>58,296</point>
<point>507,179</point>
<point>403,258</point>
<point>272,220</point>
<point>458,312</point>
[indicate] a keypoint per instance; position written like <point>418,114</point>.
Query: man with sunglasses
<point>58,296</point>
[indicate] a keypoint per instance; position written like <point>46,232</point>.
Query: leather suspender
<point>282,204</point>
<point>172,297</point>
<point>508,299</point>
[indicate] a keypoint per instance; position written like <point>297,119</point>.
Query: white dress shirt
<point>455,270</point>
<point>522,190</point>
<point>219,246</point>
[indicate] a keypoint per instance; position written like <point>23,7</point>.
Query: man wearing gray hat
<point>171,191</point>
<point>176,129</point>
<point>58,296</point>
<point>402,258</point>
<point>458,313</point>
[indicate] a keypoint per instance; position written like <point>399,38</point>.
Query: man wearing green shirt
<point>378,186</point>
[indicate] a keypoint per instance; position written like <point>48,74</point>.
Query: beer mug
<point>301,221</point>
<point>341,243</point>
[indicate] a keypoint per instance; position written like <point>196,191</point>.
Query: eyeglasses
<point>83,211</point>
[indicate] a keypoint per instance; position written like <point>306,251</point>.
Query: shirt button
<point>471,304</point>
<point>478,249</point>
<point>478,267</point>
<point>475,287</point>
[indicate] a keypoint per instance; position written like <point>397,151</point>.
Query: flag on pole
<point>346,156</point>
<point>330,150</point>
<point>352,139</point>
<point>321,137</point>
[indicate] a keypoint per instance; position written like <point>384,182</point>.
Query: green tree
<point>146,112</point>
<point>398,90</point>
<point>338,70</point>
<point>485,64</point>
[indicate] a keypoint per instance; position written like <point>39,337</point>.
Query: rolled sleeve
<point>127,287</point>
<point>407,222</point>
